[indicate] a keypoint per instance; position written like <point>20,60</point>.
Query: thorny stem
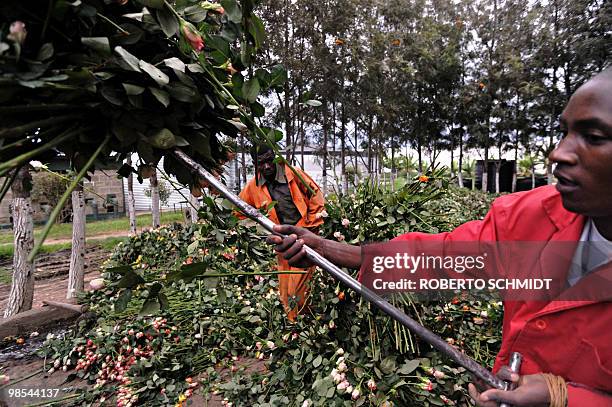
<point>14,131</point>
<point>167,178</point>
<point>111,22</point>
<point>33,153</point>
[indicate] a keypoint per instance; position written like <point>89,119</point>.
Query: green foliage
<point>48,188</point>
<point>147,78</point>
<point>231,334</point>
<point>164,190</point>
<point>375,215</point>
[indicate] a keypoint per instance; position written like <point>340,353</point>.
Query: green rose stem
<point>53,402</point>
<point>43,107</point>
<point>7,166</point>
<point>64,198</point>
<point>177,189</point>
<point>19,130</point>
<point>65,178</point>
<point>13,382</point>
<point>223,90</point>
<point>254,273</point>
<point>121,30</point>
<point>20,142</point>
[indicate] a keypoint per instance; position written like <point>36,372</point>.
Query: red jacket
<point>572,339</point>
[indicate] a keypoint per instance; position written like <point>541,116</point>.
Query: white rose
<point>345,222</point>
<point>96,284</point>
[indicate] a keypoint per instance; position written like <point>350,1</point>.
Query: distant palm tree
<point>469,168</point>
<point>526,165</point>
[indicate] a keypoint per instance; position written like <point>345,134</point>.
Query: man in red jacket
<point>569,340</point>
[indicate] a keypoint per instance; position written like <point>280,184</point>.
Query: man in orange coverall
<point>295,205</point>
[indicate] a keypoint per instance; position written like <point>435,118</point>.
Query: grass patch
<point>7,250</point>
<point>100,227</point>
<point>5,275</point>
<point>108,244</point>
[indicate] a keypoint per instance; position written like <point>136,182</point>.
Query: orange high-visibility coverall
<point>309,205</point>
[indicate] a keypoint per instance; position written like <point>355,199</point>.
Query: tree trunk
<point>22,286</point>
<point>343,151</point>
<point>237,174</point>
<point>333,132</point>
<point>549,172</point>
<point>392,167</point>
<point>325,130</point>
<point>155,199</point>
<point>420,154</point>
<point>370,129</point>
<point>485,167</point>
<point>76,274</point>
<point>194,205</point>
<point>243,159</point>
<point>497,170</point>
<point>452,161</point>
<point>131,203</point>
<point>515,173</point>
<point>460,169</point>
<point>286,87</point>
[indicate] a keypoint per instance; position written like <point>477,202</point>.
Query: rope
<point>557,390</point>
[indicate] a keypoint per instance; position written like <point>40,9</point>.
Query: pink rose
<point>18,32</point>
<point>96,284</point>
<point>193,37</point>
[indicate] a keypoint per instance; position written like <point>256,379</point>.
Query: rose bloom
<point>96,284</point>
<point>345,222</point>
<point>192,36</point>
<point>424,178</point>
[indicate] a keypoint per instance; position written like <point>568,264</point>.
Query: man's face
<point>584,155</point>
<point>267,165</point>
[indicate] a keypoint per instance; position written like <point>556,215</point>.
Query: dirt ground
<point>51,273</point>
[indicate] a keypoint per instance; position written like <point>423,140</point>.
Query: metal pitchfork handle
<point>515,366</point>
<point>428,336</point>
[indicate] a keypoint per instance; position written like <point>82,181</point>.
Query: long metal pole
<point>424,333</point>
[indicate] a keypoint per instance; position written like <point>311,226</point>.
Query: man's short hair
<point>259,149</point>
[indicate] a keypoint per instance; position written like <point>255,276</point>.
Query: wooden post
<point>76,273</point>
<point>155,199</point>
<point>131,202</point>
<point>22,286</point>
<point>193,208</point>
